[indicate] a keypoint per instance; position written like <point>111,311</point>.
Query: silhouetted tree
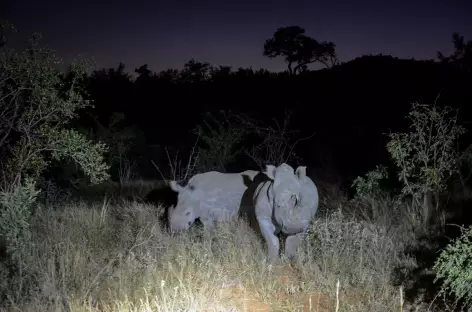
<point>221,71</point>
<point>245,72</point>
<point>462,56</point>
<point>112,74</point>
<point>144,74</point>
<point>112,90</point>
<point>196,71</point>
<point>5,28</point>
<point>169,75</point>
<point>143,71</point>
<point>262,73</point>
<point>297,48</point>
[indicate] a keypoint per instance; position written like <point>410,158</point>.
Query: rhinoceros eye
<point>188,213</point>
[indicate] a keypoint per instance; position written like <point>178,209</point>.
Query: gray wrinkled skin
<point>285,204</point>
<point>211,196</point>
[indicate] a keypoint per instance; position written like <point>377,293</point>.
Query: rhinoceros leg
<point>273,244</point>
<point>291,245</point>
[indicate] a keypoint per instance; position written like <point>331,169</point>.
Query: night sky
<point>166,34</point>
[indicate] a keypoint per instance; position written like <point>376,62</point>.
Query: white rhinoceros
<point>211,196</point>
<point>285,203</point>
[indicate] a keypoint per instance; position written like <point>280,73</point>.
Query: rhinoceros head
<point>286,186</point>
<point>184,214</point>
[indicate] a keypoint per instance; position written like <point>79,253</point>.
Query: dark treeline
<point>350,106</point>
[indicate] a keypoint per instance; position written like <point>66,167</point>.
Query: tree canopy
<point>299,49</point>
<point>462,55</point>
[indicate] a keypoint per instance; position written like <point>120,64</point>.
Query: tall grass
<point>106,257</point>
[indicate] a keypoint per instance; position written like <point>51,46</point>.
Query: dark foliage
<point>350,106</point>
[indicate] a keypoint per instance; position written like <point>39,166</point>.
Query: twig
<point>175,164</point>
<point>337,296</point>
<point>401,299</point>
<point>189,164</point>
<point>157,167</point>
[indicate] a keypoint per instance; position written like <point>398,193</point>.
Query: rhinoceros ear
<point>175,186</point>
<point>270,171</point>
<point>301,172</point>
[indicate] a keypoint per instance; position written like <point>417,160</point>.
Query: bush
<point>454,268</point>
<point>368,187</point>
<point>426,157</point>
<point>362,249</point>
<point>36,104</point>
<point>15,213</point>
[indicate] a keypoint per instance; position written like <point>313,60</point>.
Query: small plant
<point>454,268</point>
<point>15,210</point>
<point>369,193</point>
<point>369,186</point>
<point>15,231</point>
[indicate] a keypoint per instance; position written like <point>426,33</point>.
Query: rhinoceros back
<point>221,193</point>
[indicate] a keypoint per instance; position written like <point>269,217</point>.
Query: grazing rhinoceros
<point>211,197</point>
<point>285,204</point>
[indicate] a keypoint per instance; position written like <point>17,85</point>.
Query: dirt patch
<point>306,302</point>
<point>291,299</point>
<point>243,299</point>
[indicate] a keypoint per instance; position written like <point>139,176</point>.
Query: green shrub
<point>37,103</point>
<point>454,268</point>
<point>369,186</point>
<point>426,157</point>
<point>15,211</point>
